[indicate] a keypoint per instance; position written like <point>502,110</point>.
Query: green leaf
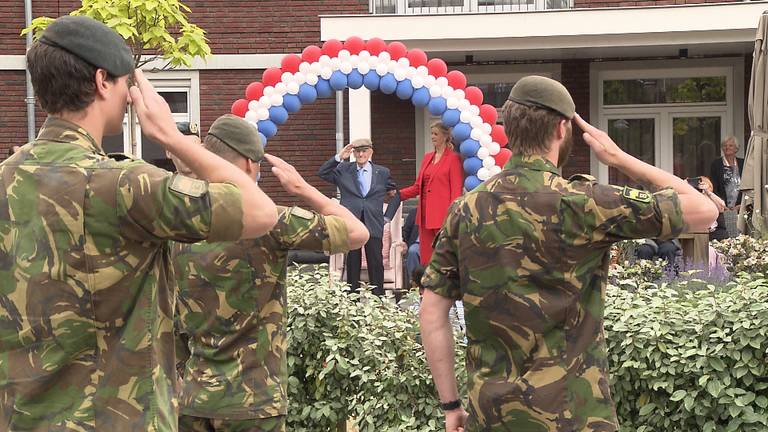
<point>678,395</point>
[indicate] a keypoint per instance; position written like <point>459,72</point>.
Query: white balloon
<point>494,148</point>
<point>410,72</point>
<point>276,99</point>
<point>262,113</point>
<point>474,109</point>
<point>324,60</point>
<point>459,94</point>
<point>392,66</point>
<point>482,153</point>
<point>384,57</point>
<point>485,140</point>
<point>447,92</point>
<point>305,67</point>
<point>345,67</point>
<point>253,105</point>
<point>280,88</point>
<point>403,62</point>
<point>495,170</point>
<point>251,116</point>
<point>326,72</point>
<point>442,81</point>
<point>476,122</point>
<point>335,63</point>
<point>268,91</point>
<point>354,60</point>
<point>483,174</point>
<point>344,54</point>
<point>464,105</point>
<point>422,70</point>
<point>312,79</point>
<point>489,162</point>
<point>476,134</point>
<point>364,55</point>
<point>264,101</point>
<point>286,77</point>
<point>373,61</point>
<point>381,69</point>
<point>417,81</point>
<point>429,81</point>
<point>486,128</point>
<point>452,103</point>
<point>299,78</point>
<point>363,68</point>
<point>293,88</point>
<point>315,68</point>
<point>434,91</point>
<point>400,74</point>
<point>466,116</point>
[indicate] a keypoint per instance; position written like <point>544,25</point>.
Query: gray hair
<point>729,138</point>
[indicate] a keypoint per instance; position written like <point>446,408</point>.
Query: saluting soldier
<point>528,252</point>
<point>86,307</point>
<point>232,297</point>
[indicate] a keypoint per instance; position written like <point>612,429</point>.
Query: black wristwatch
<point>450,406</point>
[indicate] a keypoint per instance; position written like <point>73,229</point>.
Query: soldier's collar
<point>59,130</point>
<point>534,162</point>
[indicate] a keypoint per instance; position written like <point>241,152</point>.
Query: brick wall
<point>630,3</point>
<point>575,77</point>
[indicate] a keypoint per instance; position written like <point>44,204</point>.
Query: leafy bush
<point>745,254</point>
<point>356,356</point>
<point>689,360</point>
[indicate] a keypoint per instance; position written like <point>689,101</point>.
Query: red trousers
<point>426,237</point>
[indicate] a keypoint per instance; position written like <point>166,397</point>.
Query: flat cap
<point>239,135</point>
<point>362,143</point>
<point>91,41</point>
<point>542,92</point>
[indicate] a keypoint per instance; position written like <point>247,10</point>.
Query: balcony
<point>431,7</point>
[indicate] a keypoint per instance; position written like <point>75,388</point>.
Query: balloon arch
<point>389,68</point>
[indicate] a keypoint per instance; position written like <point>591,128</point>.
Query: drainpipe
<point>339,127</point>
<point>30,99</point>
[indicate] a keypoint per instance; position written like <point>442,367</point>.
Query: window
<point>664,91</point>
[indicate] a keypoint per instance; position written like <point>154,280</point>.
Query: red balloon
<point>240,107</point>
<point>474,95</point>
<point>354,44</point>
<point>290,63</point>
<point>488,113</point>
<point>271,76</point>
<point>375,46</point>
<point>331,47</point>
<point>311,53</point>
<point>502,156</point>
<point>498,135</point>
<point>417,57</point>
<point>456,79</point>
<point>254,91</point>
<point>397,50</point>
<point>437,67</point>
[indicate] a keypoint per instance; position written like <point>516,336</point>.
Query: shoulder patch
<point>301,213</point>
<point>120,156</point>
<point>584,177</point>
<point>188,186</point>
<point>636,195</point>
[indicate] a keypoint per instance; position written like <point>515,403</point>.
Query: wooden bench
<point>695,248</point>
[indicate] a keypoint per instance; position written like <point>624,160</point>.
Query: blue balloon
<point>307,94</point>
<point>420,97</point>
<point>278,115</point>
<point>472,182</point>
<point>291,103</point>
<point>355,79</point>
<point>451,117</point>
<point>472,164</point>
<point>437,106</point>
<point>404,89</point>
<point>371,80</point>
<point>461,132</point>
<point>323,88</point>
<point>338,80</point>
<point>263,139</point>
<point>268,128</point>
<point>469,148</point>
<point>388,84</point>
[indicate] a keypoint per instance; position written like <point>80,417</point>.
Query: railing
<point>419,7</point>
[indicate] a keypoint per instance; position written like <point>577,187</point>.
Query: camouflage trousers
<point>202,424</point>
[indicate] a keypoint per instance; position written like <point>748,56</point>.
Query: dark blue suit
<point>369,209</point>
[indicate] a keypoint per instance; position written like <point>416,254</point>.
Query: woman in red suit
<point>439,182</point>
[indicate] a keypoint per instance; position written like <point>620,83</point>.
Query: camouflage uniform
<point>232,300</point>
<point>528,252</point>
<point>86,306</point>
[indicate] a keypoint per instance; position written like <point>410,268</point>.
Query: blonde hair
<point>445,130</point>
<point>708,182</point>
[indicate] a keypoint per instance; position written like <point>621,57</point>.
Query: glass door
<point>637,135</point>
<point>695,142</point>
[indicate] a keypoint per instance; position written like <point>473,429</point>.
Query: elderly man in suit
<point>363,186</point>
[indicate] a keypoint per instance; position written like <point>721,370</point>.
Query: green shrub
<point>745,254</point>
<point>689,360</point>
<point>356,356</point>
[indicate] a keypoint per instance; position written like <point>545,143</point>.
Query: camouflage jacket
<point>232,301</point>
<point>528,252</point>
<point>86,306</point>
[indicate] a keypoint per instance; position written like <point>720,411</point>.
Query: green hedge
<point>688,356</point>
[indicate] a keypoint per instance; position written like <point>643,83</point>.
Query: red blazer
<point>444,186</point>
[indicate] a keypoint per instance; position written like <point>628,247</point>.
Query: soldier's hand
<point>289,178</point>
<point>152,110</point>
<point>345,152</point>
<point>607,151</point>
<point>455,420</point>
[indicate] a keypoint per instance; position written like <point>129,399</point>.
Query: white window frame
<point>732,111</point>
<point>468,6</point>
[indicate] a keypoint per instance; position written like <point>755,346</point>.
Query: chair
<point>393,250</point>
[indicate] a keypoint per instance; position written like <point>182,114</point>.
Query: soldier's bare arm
<point>698,211</point>
<point>295,184</point>
<point>260,213</point>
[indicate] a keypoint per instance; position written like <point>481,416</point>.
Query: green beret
<point>239,135</point>
<point>91,41</point>
<point>543,92</point>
